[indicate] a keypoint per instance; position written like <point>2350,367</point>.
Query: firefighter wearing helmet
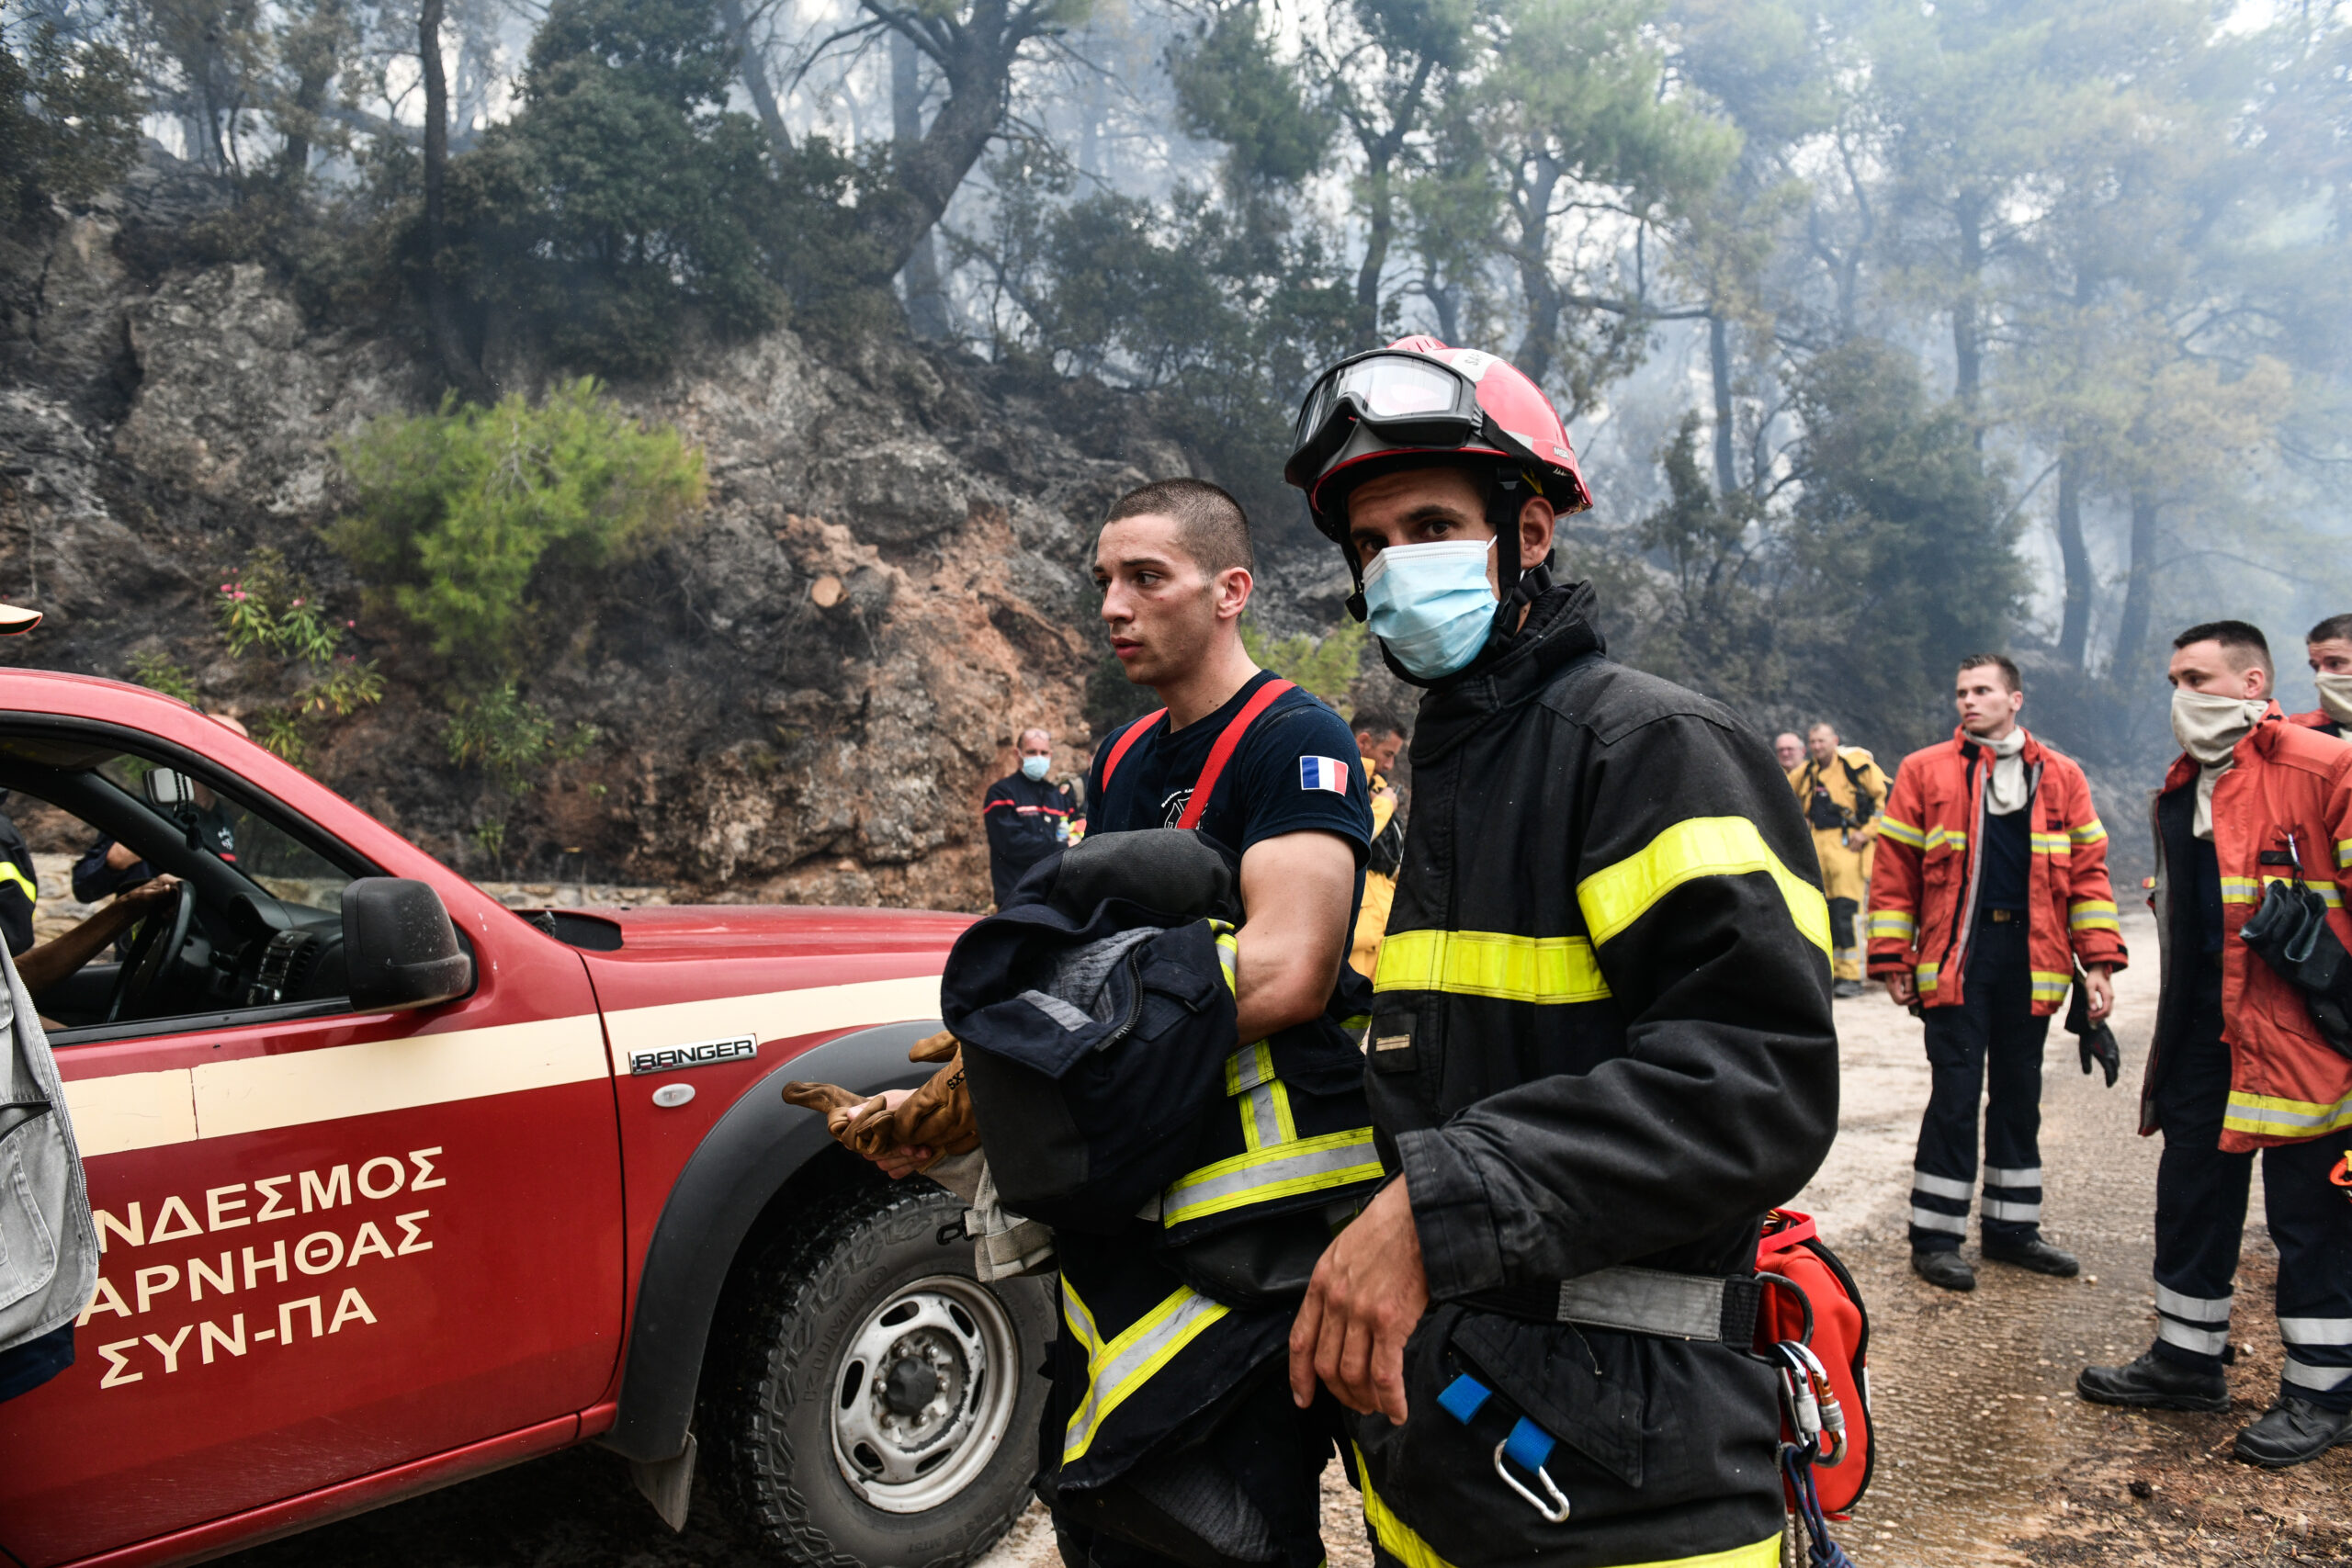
<point>1601,1046</point>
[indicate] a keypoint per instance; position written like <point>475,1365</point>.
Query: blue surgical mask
<point>1033,768</point>
<point>1430,604</point>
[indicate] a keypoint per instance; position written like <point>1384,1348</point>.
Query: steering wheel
<point>161,936</point>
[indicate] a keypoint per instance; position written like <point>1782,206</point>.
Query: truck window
<point>253,931</point>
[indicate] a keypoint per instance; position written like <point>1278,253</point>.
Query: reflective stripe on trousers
<point>1116,1368</point>
<point>1397,1539</point>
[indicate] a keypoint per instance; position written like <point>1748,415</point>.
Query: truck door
<point>333,1241</point>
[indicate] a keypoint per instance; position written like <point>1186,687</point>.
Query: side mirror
<point>168,789</point>
<point>399,947</point>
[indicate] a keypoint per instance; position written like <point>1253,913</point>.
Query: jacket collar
<point>1965,743</point>
<point>1512,668</point>
<point>2259,742</point>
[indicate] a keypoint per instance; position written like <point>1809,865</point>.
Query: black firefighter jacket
<point>1600,1036</point>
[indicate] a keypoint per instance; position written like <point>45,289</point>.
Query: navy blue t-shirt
<point>1295,770</point>
<point>2008,859</point>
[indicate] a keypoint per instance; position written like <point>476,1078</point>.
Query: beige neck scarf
<point>2006,791</point>
<point>2335,697</point>
<point>2209,728</point>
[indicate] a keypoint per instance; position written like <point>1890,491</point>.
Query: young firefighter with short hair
<point>2329,647</point>
<point>1991,884</point>
<point>2238,1061</point>
<point>1601,1045</point>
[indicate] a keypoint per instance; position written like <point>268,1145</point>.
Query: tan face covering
<point>2335,696</point>
<point>2005,792</point>
<point>2209,728</point>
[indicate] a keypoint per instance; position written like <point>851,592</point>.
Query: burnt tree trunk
<point>2074,626</point>
<point>441,319</point>
<point>2140,587</point>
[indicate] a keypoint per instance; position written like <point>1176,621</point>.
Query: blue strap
<point>1465,1397</point>
<point>1529,1445</point>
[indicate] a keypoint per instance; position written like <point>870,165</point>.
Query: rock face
<point>801,695</point>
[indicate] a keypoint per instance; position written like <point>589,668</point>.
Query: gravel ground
<point>1986,1454</point>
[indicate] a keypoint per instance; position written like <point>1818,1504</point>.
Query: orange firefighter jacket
<point>2316,719</point>
<point>2286,1084</point>
<point>1923,888</point>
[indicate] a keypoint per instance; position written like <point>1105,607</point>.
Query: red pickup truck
<point>361,1241</point>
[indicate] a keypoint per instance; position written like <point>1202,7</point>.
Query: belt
<point>2004,917</point>
<point>1636,1301</point>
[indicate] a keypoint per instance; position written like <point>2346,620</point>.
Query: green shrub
<point>512,740</point>
<point>465,514</point>
<point>69,119</point>
<point>1326,666</point>
<point>158,671</point>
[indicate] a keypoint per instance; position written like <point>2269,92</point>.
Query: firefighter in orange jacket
<point>2329,645</point>
<point>2238,1063</point>
<point>1991,881</point>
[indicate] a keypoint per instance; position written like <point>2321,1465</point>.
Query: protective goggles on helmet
<point>1406,399</point>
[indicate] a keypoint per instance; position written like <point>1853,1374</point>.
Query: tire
<point>873,1405</point>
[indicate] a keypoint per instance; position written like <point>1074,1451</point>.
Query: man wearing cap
<point>1601,1045</point>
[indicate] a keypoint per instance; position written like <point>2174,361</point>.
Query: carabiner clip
<point>1557,1511</point>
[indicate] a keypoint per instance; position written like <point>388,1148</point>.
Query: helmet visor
<point>1408,399</point>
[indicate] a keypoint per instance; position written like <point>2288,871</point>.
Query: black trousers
<point>1993,1034</point>
<point>2201,1217</point>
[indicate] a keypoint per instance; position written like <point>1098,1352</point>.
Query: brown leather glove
<point>937,1116</point>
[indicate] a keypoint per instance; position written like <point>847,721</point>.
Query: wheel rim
<point>924,1394</point>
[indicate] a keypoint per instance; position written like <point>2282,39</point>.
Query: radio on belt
<point>702,1054</point>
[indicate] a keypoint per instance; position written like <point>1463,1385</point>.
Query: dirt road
<point>1985,1456</point>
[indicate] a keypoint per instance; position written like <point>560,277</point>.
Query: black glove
<point>2098,1043</point>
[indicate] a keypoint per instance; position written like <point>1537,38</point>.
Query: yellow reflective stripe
<point>1902,832</point>
<point>1956,837</point>
<point>1248,1067</point>
<point>2248,890</point>
<point>1924,975</point>
<point>2089,832</point>
<point>2047,985</point>
<point>1081,1321</point>
<point>2287,1118</point>
<point>1228,952</point>
<point>1491,964</point>
<point>1114,1372</point>
<point>2093,915</point>
<point>1893,923</point>
<point>2344,855</point>
<point>2057,844</point>
<point>1265,1117</point>
<point>1401,1542</point>
<point>1615,896</point>
<point>11,872</point>
<point>1302,1164</point>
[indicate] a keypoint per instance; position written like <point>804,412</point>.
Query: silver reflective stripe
<point>2315,1330</point>
<point>1248,1067</point>
<point>1118,1369</point>
<point>1061,1011</point>
<point>1645,1300</point>
<point>1995,1176</point>
<point>1334,1159</point>
<point>1928,1219</point>
<point>2196,1309</point>
<point>1938,1186</point>
<point>1263,1115</point>
<point>2204,1341</point>
<point>2002,1209</point>
<point>2320,1379</point>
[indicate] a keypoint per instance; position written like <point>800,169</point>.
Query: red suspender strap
<point>1127,737</point>
<point>1222,752</point>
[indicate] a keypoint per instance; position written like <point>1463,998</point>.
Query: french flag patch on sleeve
<point>1323,772</point>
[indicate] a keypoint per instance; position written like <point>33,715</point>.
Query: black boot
<point>1946,1271</point>
<point>2034,1254</point>
<point>2291,1431</point>
<point>2154,1382</point>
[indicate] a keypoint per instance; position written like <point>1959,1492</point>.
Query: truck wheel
<point>877,1406</point>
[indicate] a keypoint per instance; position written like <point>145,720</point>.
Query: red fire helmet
<point>1417,402</point>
